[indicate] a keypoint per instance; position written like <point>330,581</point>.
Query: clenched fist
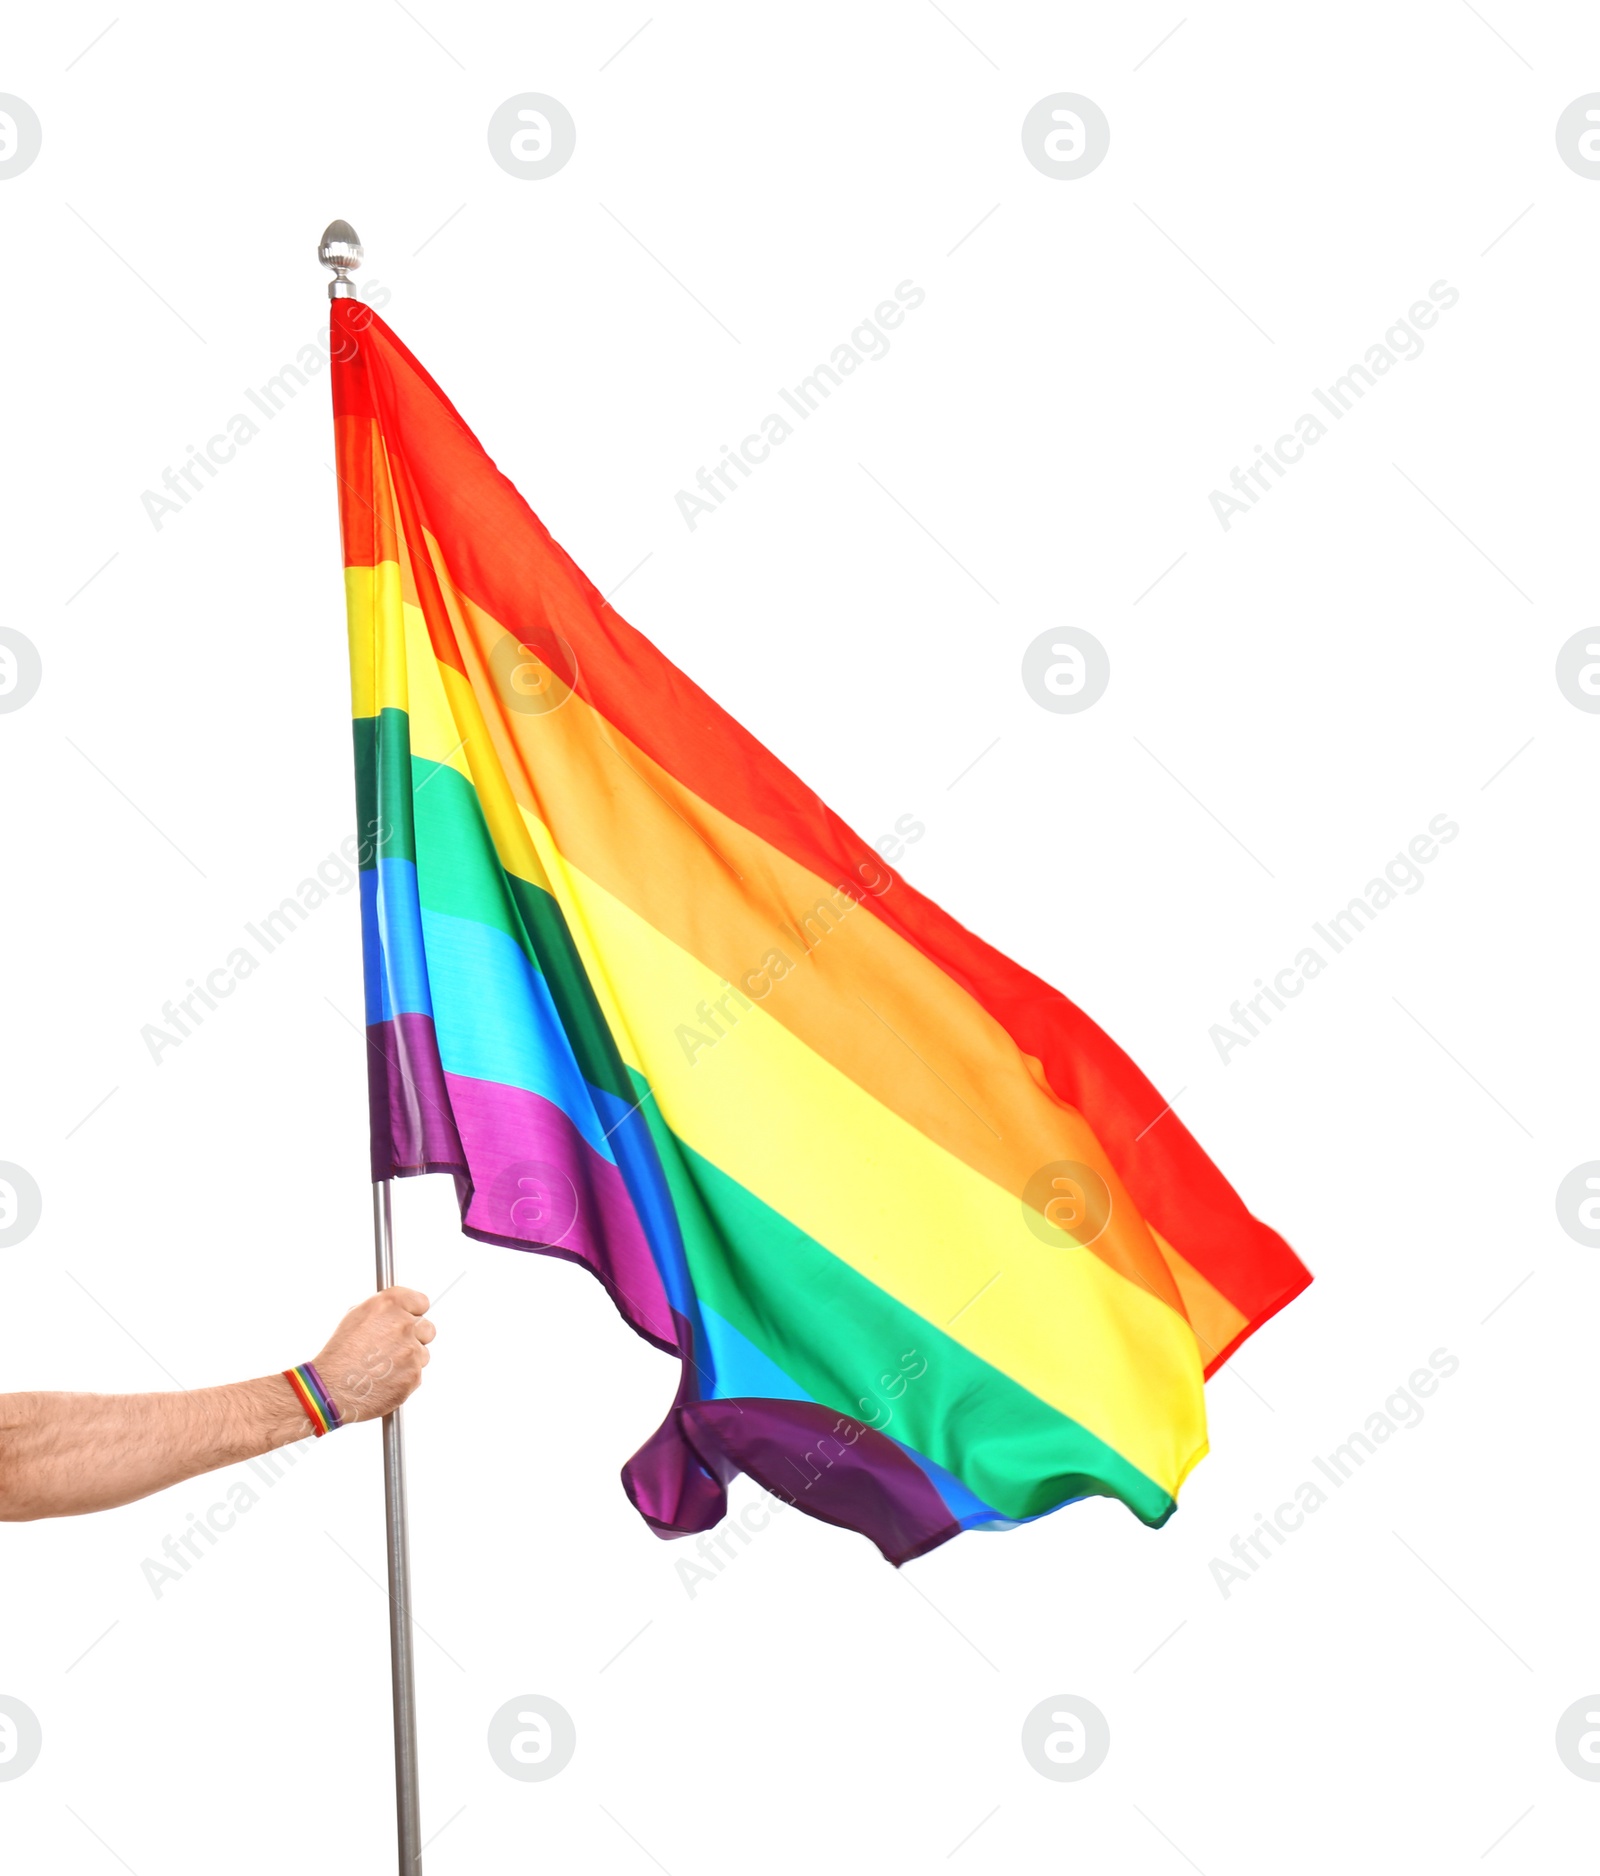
<point>376,1356</point>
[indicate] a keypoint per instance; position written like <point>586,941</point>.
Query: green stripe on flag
<point>760,1272</point>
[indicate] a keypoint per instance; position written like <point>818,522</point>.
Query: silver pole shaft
<point>408,1808</point>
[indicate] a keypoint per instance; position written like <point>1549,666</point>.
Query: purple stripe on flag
<point>537,1184</point>
<point>525,1176</point>
<point>809,1456</point>
<point>413,1130</point>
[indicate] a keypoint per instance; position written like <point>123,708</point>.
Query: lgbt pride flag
<point>930,1250</point>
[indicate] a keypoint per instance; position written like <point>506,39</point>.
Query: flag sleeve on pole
<point>931,1251</point>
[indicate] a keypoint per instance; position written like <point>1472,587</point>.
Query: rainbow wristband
<point>321,1408</point>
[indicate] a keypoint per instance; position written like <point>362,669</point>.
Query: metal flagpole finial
<point>340,250</point>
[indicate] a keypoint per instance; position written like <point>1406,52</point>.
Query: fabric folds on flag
<point>932,1253</point>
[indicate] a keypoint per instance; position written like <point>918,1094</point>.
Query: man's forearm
<point>61,1454</point>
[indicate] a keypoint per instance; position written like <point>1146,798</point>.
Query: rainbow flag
<point>931,1252</point>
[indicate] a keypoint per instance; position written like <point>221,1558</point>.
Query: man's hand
<point>376,1356</point>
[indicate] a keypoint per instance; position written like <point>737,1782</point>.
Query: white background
<point>1368,648</point>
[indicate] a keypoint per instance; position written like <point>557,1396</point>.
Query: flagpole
<point>407,1796</point>
<point>340,251</point>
